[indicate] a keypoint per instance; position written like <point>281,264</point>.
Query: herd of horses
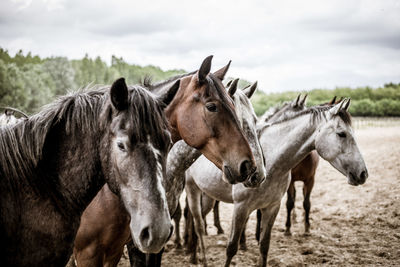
<point>105,167</point>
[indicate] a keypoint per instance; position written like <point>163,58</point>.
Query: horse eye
<point>342,134</point>
<point>121,146</point>
<point>211,107</point>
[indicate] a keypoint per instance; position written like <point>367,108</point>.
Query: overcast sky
<point>285,45</point>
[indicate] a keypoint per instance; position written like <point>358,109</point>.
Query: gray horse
<point>327,129</point>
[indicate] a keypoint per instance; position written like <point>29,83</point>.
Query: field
<point>349,225</point>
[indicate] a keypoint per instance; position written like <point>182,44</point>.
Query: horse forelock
<point>242,104</point>
<point>216,88</point>
<point>147,117</point>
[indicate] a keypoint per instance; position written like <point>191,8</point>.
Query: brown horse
<point>203,115</point>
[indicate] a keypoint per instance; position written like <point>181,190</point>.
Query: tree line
<point>27,82</point>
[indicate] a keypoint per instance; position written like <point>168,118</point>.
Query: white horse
<point>327,129</point>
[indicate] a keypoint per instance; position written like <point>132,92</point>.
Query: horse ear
<point>229,83</point>
<point>232,89</point>
<point>332,101</point>
<point>347,105</point>
<point>250,91</point>
<point>204,69</point>
<point>303,101</point>
<point>220,74</point>
<point>296,101</point>
<point>119,94</point>
<point>167,98</point>
<point>337,107</point>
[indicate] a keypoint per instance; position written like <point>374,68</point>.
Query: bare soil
<point>349,225</point>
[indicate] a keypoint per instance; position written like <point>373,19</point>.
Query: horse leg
<point>185,216</point>
<point>90,256</point>
<point>307,204</point>
<point>113,260</point>
<point>291,197</point>
<point>191,246</point>
<point>136,257</point>
<point>242,243</point>
<point>194,200</point>
<point>217,222</point>
<point>154,260</point>
<point>239,218</point>
<point>258,225</point>
<point>207,203</point>
<point>177,218</point>
<point>268,219</point>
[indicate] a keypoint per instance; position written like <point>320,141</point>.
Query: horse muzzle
<point>254,179</point>
<point>357,180</point>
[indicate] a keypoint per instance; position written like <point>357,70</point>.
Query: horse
<point>53,163</point>
<point>304,172</point>
<point>241,99</point>
<point>203,115</point>
<point>326,129</point>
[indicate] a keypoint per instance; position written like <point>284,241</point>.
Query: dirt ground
<point>349,225</point>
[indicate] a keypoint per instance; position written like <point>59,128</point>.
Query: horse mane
<point>272,111</point>
<point>87,112</point>
<point>317,113</point>
<point>147,80</point>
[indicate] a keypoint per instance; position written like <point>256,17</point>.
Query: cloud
<point>287,45</point>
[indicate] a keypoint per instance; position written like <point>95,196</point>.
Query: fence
<point>364,122</point>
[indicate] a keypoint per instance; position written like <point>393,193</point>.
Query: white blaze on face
<point>159,172</point>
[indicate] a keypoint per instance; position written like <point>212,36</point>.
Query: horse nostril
<point>364,175</point>
<point>245,167</point>
<point>144,236</point>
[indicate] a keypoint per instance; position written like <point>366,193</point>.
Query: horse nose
<point>363,176</point>
<point>153,239</point>
<point>244,169</point>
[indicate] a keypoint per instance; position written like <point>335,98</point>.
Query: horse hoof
<point>288,233</point>
<point>178,246</point>
<point>243,247</point>
<point>193,260</point>
<point>220,231</point>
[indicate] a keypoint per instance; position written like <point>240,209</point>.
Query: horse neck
<point>71,167</point>
<point>285,144</point>
<point>180,158</point>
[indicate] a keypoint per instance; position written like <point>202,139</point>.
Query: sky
<point>284,45</point>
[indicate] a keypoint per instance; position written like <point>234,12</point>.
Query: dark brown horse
<point>203,115</point>
<point>53,164</point>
